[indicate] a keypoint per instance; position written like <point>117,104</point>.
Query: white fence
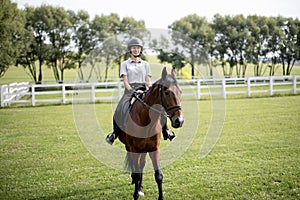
<point>24,93</point>
<point>243,86</point>
<point>13,92</point>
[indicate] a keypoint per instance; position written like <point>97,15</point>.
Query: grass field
<point>256,157</point>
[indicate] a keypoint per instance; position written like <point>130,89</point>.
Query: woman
<point>136,75</point>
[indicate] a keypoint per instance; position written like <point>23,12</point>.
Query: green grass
<point>256,157</point>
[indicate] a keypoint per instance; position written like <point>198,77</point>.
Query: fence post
<point>294,85</point>
<point>271,85</point>
<point>119,90</point>
<point>198,89</point>
<point>2,95</point>
<point>248,87</point>
<point>224,88</point>
<point>93,92</point>
<point>63,88</point>
<point>33,95</point>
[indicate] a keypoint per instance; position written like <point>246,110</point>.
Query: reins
<point>150,107</point>
<point>164,113</point>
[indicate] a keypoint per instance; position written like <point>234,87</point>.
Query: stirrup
<point>167,135</point>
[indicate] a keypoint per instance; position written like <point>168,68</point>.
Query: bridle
<point>167,108</point>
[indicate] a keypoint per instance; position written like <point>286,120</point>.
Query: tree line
<point>57,38</point>
<point>235,43</point>
<point>62,39</point>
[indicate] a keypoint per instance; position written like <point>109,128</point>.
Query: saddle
<point>133,99</point>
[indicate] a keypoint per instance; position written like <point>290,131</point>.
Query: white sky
<point>161,14</point>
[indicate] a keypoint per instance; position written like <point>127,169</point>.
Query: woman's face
<point>135,50</point>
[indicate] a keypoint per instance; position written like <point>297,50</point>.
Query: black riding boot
<point>166,134</point>
<point>110,138</point>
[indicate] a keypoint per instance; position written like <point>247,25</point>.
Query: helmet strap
<point>135,55</point>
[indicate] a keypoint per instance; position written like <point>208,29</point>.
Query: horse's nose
<point>178,122</point>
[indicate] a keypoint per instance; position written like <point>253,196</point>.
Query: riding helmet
<point>135,42</point>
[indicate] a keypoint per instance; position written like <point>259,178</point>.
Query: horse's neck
<point>141,113</point>
<point>153,97</point>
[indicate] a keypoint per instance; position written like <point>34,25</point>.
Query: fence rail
<point>25,93</point>
<point>13,92</point>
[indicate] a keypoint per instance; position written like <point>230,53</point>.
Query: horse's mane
<point>170,79</point>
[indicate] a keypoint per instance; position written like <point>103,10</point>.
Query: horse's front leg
<point>135,179</point>
<point>155,157</point>
<point>142,165</point>
<point>133,161</point>
<point>138,163</point>
<point>137,175</point>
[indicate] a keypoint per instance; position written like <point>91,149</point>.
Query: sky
<point>160,14</point>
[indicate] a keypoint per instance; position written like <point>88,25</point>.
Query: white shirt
<point>136,72</point>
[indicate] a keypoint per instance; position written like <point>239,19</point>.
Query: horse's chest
<point>143,145</point>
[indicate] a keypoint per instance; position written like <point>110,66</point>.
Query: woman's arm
<point>126,84</point>
<point>148,81</point>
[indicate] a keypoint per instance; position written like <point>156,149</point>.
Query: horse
<point>143,128</point>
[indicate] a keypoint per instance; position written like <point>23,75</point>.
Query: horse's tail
<point>128,162</point>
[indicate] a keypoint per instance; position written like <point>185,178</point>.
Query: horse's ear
<point>164,73</point>
<point>174,72</point>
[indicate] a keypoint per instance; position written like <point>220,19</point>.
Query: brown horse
<point>143,128</point>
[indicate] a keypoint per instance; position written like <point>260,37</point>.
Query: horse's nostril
<point>178,122</point>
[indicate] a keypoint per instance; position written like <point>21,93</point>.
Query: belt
<point>137,85</point>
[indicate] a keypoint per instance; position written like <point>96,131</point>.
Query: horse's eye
<point>167,93</point>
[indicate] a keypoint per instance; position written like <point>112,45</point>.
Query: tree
<point>102,27</point>
<point>11,23</point>
<point>47,40</point>
<point>239,43</point>
<point>83,37</point>
<point>168,53</point>
<point>219,25</point>
<point>109,36</point>
<point>34,50</point>
<point>274,43</point>
<point>111,50</point>
<point>193,35</point>
<point>290,46</point>
<point>232,42</point>
<point>61,53</point>
<point>256,52</point>
<point>28,56</point>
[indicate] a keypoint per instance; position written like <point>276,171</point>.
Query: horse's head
<point>170,95</point>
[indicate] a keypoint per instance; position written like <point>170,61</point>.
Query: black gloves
<point>133,92</point>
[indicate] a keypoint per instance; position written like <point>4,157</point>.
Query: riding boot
<point>166,134</point>
<point>110,138</point>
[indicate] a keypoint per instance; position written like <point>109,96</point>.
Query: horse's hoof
<point>141,193</point>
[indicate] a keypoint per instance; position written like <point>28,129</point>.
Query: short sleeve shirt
<point>135,71</point>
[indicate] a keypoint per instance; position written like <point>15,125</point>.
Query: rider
<point>136,75</point>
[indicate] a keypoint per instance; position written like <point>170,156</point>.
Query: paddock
<point>256,156</point>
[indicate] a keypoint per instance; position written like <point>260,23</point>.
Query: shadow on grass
<point>111,190</point>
